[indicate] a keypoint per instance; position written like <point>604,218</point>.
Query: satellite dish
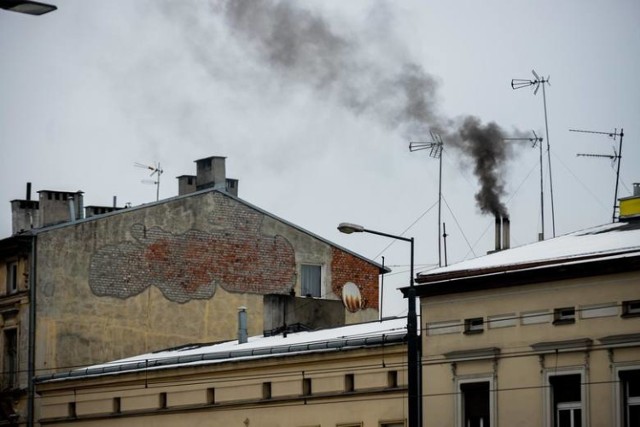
<point>351,297</point>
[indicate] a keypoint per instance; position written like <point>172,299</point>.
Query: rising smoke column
<point>301,47</point>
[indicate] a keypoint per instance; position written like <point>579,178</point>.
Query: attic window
<point>12,277</point>
<point>311,280</point>
<point>564,315</point>
<point>474,325</point>
<point>631,308</point>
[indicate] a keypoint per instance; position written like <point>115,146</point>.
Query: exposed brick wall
<point>191,265</point>
<point>348,268</point>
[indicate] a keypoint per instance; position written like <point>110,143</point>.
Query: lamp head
<point>27,6</point>
<point>349,228</point>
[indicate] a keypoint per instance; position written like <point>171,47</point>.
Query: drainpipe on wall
<point>32,334</point>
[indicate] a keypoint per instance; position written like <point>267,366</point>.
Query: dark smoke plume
<point>302,47</point>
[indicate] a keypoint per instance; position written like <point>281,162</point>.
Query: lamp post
<point>27,6</point>
<point>413,350</point>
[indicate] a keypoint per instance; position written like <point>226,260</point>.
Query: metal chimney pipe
<point>242,325</point>
<point>498,233</point>
<point>506,233</point>
<point>28,191</point>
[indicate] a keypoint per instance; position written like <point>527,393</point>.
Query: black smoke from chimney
<point>302,47</point>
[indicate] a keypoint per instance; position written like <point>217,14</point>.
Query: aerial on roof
<point>385,332</point>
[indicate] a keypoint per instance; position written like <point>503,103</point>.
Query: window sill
<point>564,322</point>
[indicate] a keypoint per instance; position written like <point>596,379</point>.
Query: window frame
<point>619,393</point>
<point>459,400</point>
<point>474,325</point>
<point>11,379</point>
<point>12,284</point>
<point>321,280</point>
<point>628,310</point>
<point>561,316</point>
<point>549,409</point>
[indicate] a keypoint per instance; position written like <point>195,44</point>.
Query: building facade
<point>352,376</point>
<point>83,290</point>
<point>546,334</point>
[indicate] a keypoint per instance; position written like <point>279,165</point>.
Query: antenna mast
<point>541,81</point>
<point>616,157</point>
<point>435,148</point>
<point>535,140</point>
<point>154,170</point>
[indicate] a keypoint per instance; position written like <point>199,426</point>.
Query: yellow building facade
<point>347,377</point>
<point>547,334</point>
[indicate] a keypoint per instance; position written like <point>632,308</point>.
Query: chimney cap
<point>209,158</point>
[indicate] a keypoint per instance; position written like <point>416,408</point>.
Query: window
<point>476,404</point>
<point>563,316</point>
<point>10,358</point>
<point>162,400</point>
<point>310,280</point>
<point>566,398</point>
<point>71,410</point>
<point>630,391</point>
<point>117,405</point>
<point>392,379</point>
<point>12,277</point>
<point>211,396</point>
<point>474,326</point>
<point>392,424</point>
<point>266,390</point>
<point>306,387</point>
<point>349,384</point>
<point>631,308</point>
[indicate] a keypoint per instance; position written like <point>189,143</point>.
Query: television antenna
<point>540,81</point>
<point>536,141</point>
<point>435,147</point>
<point>616,157</point>
<point>155,170</point>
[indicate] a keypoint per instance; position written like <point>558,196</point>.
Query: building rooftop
<point>371,334</point>
<point>604,249</point>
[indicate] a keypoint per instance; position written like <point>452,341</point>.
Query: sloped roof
<point>598,250</point>
<point>123,211</point>
<point>371,334</point>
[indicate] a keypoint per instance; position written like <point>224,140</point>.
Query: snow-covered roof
<point>604,240</point>
<point>371,334</point>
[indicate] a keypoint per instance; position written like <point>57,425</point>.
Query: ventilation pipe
<point>506,233</point>
<point>242,325</point>
<point>72,210</point>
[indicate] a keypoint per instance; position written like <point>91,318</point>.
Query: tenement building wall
<point>538,354</point>
<point>175,272</point>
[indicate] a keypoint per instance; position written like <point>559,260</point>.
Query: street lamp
<point>27,6</point>
<point>413,350</point>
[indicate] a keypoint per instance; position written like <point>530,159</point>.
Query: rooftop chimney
<point>498,234</point>
<point>210,173</point>
<point>55,206</point>
<point>503,233</point>
<point>25,214</point>
<point>506,233</point>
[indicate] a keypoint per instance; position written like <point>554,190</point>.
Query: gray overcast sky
<point>305,101</point>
